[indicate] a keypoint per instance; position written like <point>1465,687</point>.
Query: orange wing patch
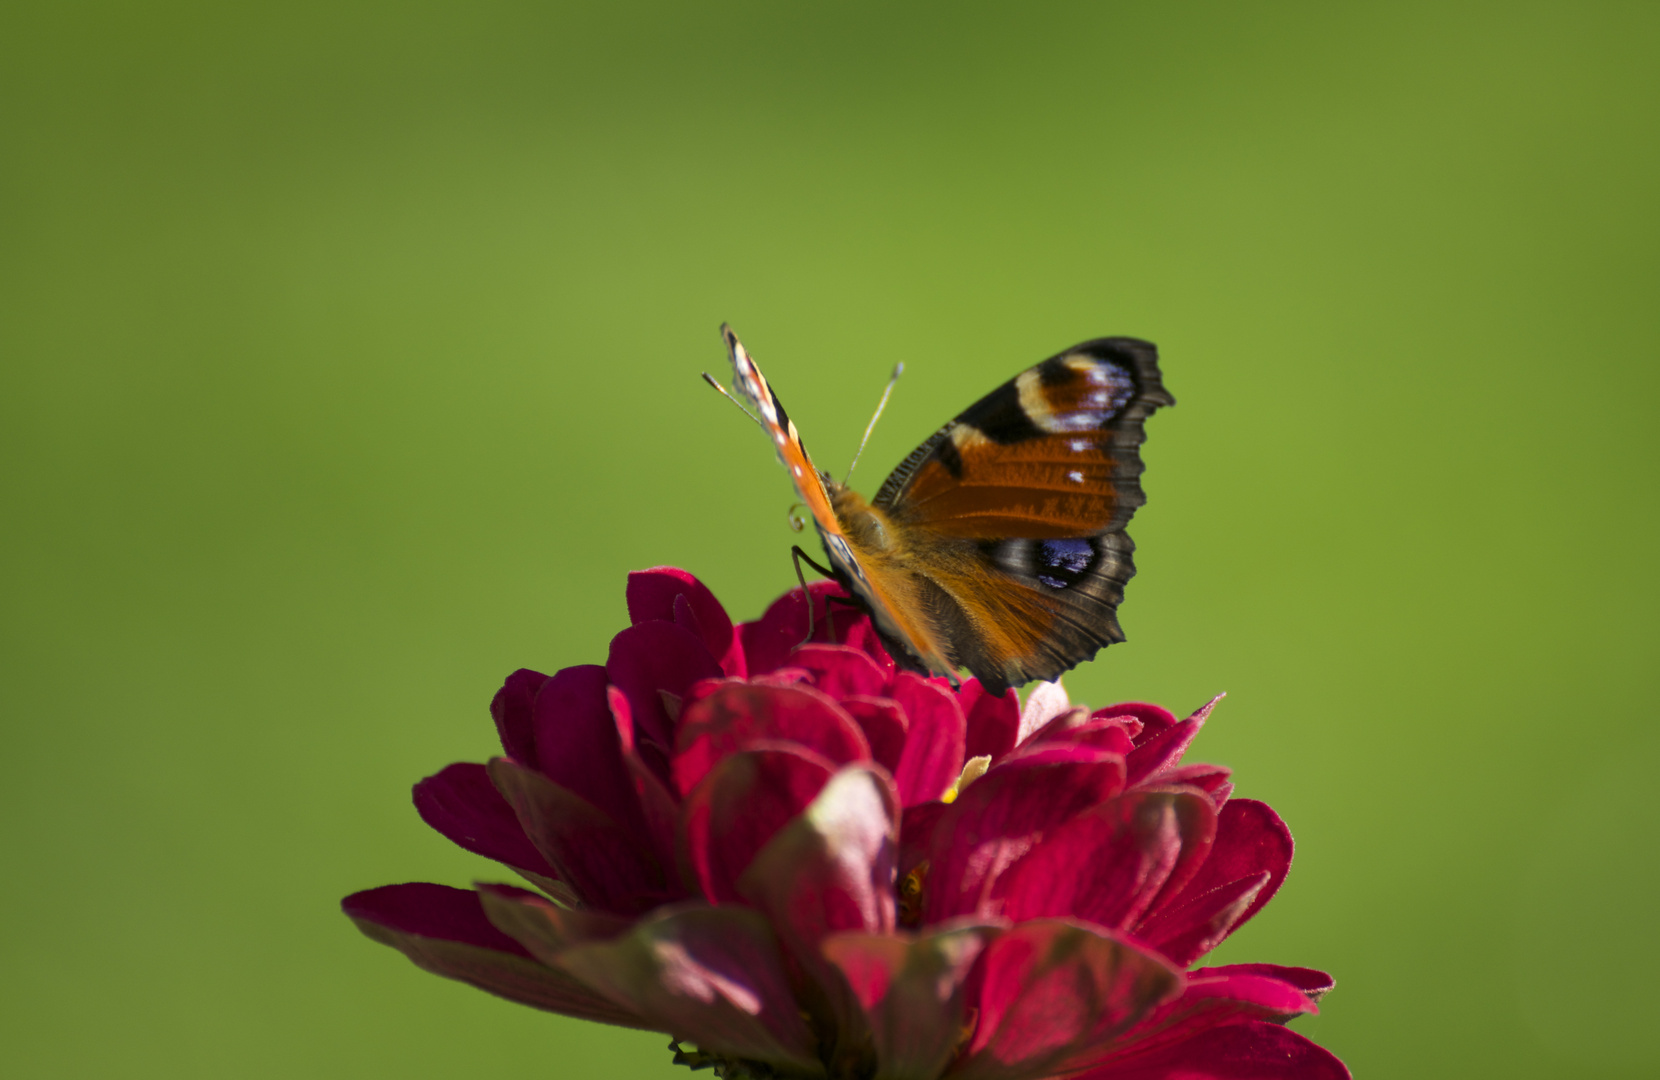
<point>1051,486</point>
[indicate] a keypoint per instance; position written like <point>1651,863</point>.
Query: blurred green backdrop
<point>350,359</point>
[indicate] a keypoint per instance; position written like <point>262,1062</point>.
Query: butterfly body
<point>998,544</point>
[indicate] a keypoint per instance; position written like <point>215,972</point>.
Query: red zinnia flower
<point>799,860</point>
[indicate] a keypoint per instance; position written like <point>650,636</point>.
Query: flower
<point>811,863</point>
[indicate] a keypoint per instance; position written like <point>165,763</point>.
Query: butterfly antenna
<point>710,379</point>
<point>898,370</point>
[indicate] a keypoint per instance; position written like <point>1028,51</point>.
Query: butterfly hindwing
<point>1013,513</point>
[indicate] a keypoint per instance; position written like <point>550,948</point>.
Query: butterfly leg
<point>798,557</point>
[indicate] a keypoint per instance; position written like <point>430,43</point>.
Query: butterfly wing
<point>897,618</point>
<point>1013,514</point>
<point>753,387</point>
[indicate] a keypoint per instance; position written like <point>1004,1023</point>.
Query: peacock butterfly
<point>998,545</point>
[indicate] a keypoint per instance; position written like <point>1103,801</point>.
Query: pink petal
<point>1247,863</point>
<point>911,992</point>
<point>832,867</point>
<point>993,721</point>
<point>840,670</point>
<point>1266,991</point>
<point>1053,990</point>
<point>511,708</point>
<point>1247,1051</point>
<point>461,803</point>
<point>444,931</point>
<point>577,745</point>
<point>1313,984</point>
<point>610,867</point>
<point>1155,753</point>
<point>708,974</point>
<point>1108,865</point>
<point>999,818</point>
<point>654,593</point>
<point>647,661</point>
<point>935,735</point>
<point>1045,702</point>
<point>769,640</point>
<point>884,724</point>
<point>739,806</point>
<point>736,715</point>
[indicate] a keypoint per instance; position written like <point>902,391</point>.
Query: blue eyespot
<point>1060,563</point>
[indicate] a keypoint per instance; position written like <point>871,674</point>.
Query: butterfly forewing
<point>1015,511</point>
<point>1053,452</point>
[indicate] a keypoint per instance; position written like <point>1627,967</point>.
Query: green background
<point>350,358</point>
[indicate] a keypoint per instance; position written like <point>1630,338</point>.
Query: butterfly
<point>998,545</point>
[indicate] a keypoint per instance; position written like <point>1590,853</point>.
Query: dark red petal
<point>1211,779</point>
<point>1214,997</point>
<point>1154,719</point>
<point>916,834</point>
<point>1247,864</point>
<point>859,633</point>
<point>660,812</point>
<point>1108,865</point>
<point>1194,925</point>
<point>465,806</point>
<point>999,817</point>
<point>444,931</point>
<point>1054,752</point>
<point>1155,753</point>
<point>709,975</point>
<point>577,745</point>
<point>737,715</point>
<point>1051,991</point>
<point>993,722</point>
<point>911,992</point>
<point>1162,751</point>
<point>1248,1051</point>
<point>884,724</point>
<point>511,708</point>
<point>646,662</point>
<point>610,867</point>
<point>832,867</point>
<point>546,929</point>
<point>743,801</point>
<point>934,739</point>
<point>1101,732</point>
<point>769,640</point>
<point>840,670</point>
<point>653,594</point>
